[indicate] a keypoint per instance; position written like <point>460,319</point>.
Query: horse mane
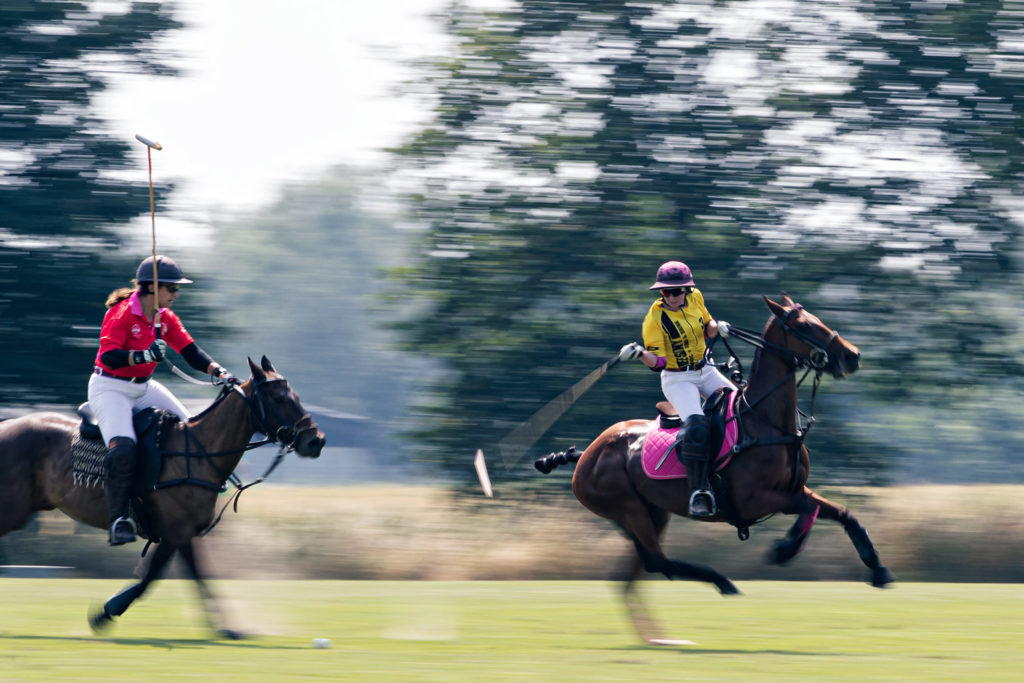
<point>217,401</point>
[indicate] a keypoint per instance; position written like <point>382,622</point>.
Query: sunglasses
<point>676,291</point>
<point>171,288</point>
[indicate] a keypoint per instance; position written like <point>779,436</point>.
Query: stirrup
<point>710,497</point>
<point>122,530</point>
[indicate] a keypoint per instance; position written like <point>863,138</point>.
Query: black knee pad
<point>120,459</point>
<point>696,431</point>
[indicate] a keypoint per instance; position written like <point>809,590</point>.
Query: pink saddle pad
<point>658,441</point>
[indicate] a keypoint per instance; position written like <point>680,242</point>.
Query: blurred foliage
<point>923,533</point>
<point>63,196</point>
<point>860,155</point>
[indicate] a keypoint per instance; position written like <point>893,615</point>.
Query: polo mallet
<point>150,146</point>
<point>514,446</point>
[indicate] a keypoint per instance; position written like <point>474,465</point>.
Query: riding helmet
<point>673,274</point>
<point>168,271</point>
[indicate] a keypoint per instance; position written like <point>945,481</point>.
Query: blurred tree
<point>893,200</point>
<point>856,154</point>
<point>306,278</point>
<point>62,198</point>
<point>556,178</point>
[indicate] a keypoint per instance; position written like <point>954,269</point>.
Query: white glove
<point>221,376</point>
<point>630,351</point>
<point>723,328</point>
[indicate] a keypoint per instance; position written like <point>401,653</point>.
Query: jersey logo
<point>136,330</point>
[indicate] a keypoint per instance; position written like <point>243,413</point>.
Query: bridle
<point>816,359</point>
<point>287,436</point>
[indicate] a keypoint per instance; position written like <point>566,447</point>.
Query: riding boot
<point>119,467</point>
<point>693,452</point>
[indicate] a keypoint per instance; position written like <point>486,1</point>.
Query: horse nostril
<point>317,444</point>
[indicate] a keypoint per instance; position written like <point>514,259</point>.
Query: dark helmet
<point>673,274</point>
<point>168,272</point>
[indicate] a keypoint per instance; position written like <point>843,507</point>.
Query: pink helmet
<point>673,274</point>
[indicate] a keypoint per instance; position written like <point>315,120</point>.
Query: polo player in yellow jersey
<point>674,334</point>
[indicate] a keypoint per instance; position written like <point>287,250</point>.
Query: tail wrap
<point>549,462</point>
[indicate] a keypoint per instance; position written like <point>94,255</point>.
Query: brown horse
<point>767,474</point>
<point>36,474</point>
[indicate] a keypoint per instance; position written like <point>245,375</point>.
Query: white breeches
<point>113,401</point>
<point>684,390</point>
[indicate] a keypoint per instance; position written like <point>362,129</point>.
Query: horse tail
<point>549,462</point>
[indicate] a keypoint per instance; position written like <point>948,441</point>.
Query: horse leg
<point>785,549</point>
<point>116,606</point>
<point>640,525</point>
<point>214,616</point>
<point>643,622</point>
<point>880,574</point>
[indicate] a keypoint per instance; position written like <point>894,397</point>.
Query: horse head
<point>810,340</point>
<point>280,413</point>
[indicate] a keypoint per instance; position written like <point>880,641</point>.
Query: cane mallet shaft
<point>516,443</point>
<point>150,146</point>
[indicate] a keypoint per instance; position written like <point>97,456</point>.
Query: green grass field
<point>516,631</point>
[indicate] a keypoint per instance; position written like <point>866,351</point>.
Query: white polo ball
<point>321,643</point>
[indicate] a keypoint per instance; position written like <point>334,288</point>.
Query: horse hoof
<point>729,588</point>
<point>779,554</point>
<point>881,577</point>
<point>100,621</point>
<point>230,634</point>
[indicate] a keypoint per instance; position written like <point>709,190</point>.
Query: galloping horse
<point>36,474</point>
<point>766,475</point>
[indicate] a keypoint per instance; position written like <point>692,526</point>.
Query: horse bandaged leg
<point>787,548</point>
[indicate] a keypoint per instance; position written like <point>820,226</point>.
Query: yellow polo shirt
<point>677,336</point>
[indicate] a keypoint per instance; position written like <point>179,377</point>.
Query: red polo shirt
<point>125,327</point>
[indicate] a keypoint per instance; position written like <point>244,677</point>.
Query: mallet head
<point>149,143</point>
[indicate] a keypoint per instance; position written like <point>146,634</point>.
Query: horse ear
<point>267,365</point>
<point>257,373</point>
<point>775,308</point>
<point>786,300</point>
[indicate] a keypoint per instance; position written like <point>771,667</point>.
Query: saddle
<point>148,424</point>
<point>715,407</point>
<point>658,463</point>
